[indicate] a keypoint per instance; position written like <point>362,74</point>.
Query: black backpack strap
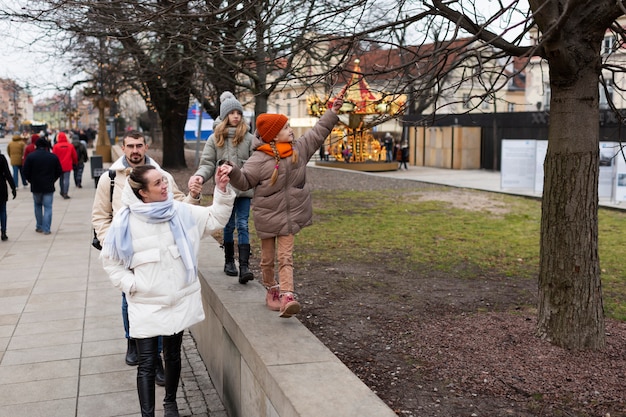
<point>112,174</point>
<point>95,242</point>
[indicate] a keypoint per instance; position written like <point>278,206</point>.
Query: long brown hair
<point>221,132</point>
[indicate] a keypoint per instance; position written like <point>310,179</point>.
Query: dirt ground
<point>430,344</point>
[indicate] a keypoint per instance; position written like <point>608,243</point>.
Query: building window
<point>606,94</point>
<point>609,45</point>
<point>289,109</point>
<point>510,107</point>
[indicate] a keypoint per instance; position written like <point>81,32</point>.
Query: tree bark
<point>570,296</point>
<point>173,117</point>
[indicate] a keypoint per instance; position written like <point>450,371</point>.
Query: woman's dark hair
<point>137,179</point>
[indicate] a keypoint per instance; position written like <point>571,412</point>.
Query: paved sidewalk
<point>62,343</point>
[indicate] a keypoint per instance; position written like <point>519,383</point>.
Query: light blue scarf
<point>118,243</point>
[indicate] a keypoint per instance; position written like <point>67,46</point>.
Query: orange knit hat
<point>268,125</point>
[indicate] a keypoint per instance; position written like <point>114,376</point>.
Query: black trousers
<point>148,351</point>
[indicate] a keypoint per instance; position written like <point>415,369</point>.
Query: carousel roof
<point>359,91</point>
<point>360,99</point>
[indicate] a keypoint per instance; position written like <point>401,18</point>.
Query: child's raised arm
<point>339,100</point>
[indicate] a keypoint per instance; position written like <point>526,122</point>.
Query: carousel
<point>352,144</point>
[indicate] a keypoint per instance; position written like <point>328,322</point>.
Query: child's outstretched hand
<point>339,99</point>
<point>221,176</point>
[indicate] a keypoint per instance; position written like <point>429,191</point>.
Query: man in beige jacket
<point>105,206</point>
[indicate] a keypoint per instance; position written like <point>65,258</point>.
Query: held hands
<point>195,188</point>
<point>339,99</point>
<point>221,176</point>
<point>195,179</point>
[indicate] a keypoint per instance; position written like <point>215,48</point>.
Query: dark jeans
<point>78,174</point>
<point>43,211</point>
<point>146,372</point>
<point>64,182</point>
<point>238,219</point>
<point>17,170</point>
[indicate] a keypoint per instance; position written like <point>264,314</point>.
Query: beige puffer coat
<point>283,208</point>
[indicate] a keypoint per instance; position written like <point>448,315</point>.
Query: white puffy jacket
<point>160,301</point>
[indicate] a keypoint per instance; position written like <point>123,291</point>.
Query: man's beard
<point>135,159</point>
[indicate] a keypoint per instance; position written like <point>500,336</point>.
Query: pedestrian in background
<point>68,157</point>
<point>5,178</point>
<point>282,199</point>
<point>83,157</point>
<point>151,253</point>
<point>389,146</point>
<point>15,150</point>
<point>30,147</point>
<point>231,141</point>
<point>41,169</point>
<point>404,154</point>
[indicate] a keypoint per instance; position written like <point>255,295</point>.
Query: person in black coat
<point>81,152</point>
<point>41,169</point>
<point>5,178</point>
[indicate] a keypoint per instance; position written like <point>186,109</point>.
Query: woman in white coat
<point>151,253</point>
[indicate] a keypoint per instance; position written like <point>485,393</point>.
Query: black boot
<point>170,409</point>
<point>159,378</point>
<point>229,255</point>
<point>131,353</point>
<point>171,353</point>
<point>4,236</point>
<point>145,376</point>
<point>245,274</point>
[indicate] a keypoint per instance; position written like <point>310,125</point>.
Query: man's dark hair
<point>135,134</point>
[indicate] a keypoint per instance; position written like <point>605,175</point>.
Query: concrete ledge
<point>265,366</point>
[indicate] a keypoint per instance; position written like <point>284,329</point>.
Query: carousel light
<point>382,107</point>
<point>347,107</point>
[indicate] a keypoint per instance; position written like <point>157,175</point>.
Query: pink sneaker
<point>288,305</point>
<point>272,299</point>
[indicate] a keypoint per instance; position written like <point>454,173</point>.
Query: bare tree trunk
<point>570,296</point>
<point>173,118</point>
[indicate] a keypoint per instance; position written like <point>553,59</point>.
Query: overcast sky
<point>25,56</point>
<point>29,63</point>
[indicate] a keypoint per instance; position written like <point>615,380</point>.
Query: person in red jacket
<point>30,147</point>
<point>66,153</point>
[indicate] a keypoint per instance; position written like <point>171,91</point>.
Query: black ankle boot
<point>229,255</point>
<point>4,236</point>
<point>131,353</point>
<point>170,409</point>
<point>245,274</point>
